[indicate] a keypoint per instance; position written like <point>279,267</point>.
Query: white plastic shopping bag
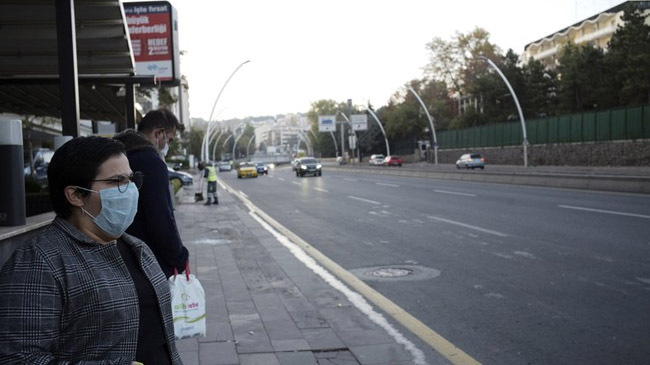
<point>188,305</point>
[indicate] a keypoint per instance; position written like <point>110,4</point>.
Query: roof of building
<point>29,73</point>
<point>613,10</point>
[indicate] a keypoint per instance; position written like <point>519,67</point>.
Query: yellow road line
<point>430,337</point>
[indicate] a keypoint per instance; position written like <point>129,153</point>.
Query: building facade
<point>596,31</point>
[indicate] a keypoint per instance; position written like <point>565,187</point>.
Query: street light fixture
<point>514,96</point>
<point>433,130</point>
<point>382,130</point>
<point>204,146</point>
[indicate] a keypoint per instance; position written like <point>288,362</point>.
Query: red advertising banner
<point>152,37</point>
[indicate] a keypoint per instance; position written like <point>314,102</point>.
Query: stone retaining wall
<point>611,153</point>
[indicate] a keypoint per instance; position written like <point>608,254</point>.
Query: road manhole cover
<point>395,273</point>
<point>391,272</point>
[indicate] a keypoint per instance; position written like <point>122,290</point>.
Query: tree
<point>324,141</point>
<point>581,86</point>
<point>451,61</point>
<point>540,90</point>
<point>628,58</point>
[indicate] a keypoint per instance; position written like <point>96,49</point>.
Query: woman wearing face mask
<point>82,290</point>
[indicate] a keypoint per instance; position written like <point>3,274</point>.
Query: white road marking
<point>357,299</point>
<point>605,211</point>
<point>391,185</point>
<point>242,193</point>
<point>322,190</point>
<point>353,180</point>
<point>469,226</point>
<point>454,193</point>
<point>281,179</point>
<point>363,200</point>
<point>297,183</point>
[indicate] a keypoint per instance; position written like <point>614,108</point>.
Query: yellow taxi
<point>246,170</point>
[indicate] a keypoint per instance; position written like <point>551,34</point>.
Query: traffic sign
<point>359,122</point>
<point>327,123</point>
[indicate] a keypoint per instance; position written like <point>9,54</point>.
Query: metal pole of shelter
<point>521,114</point>
<point>433,129</point>
<point>130,105</point>
<point>67,55</point>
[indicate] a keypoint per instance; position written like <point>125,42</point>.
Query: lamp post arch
<point>433,129</point>
<point>514,96</point>
<point>382,130</point>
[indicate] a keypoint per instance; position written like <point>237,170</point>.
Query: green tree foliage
<point>540,90</point>
<point>581,86</point>
<point>629,57</point>
<point>193,140</point>
<point>324,142</point>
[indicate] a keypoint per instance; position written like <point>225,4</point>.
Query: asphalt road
<point>509,274</point>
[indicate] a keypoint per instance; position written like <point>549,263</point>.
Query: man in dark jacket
<point>155,223</point>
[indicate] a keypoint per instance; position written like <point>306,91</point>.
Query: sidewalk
<point>264,306</point>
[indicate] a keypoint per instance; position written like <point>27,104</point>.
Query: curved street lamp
<point>352,129</point>
<point>204,146</point>
<point>382,130</point>
<point>514,96</point>
<point>433,130</point>
<point>249,145</point>
<point>336,148</point>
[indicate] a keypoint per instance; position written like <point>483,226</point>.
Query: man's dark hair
<point>160,118</point>
<point>76,163</point>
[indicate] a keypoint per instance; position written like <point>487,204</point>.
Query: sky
<point>301,51</point>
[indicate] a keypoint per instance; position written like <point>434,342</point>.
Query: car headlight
<point>318,166</point>
<point>304,167</point>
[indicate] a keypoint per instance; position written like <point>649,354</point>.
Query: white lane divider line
<point>353,180</point>
<point>281,179</point>
<point>454,193</point>
<point>384,184</point>
<point>242,193</point>
<point>355,298</point>
<point>363,200</point>
<point>468,226</point>
<point>321,190</point>
<point>297,183</point>
<point>605,211</point>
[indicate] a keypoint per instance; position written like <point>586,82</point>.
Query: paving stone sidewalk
<point>264,306</point>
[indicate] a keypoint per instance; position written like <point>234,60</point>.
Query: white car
<point>376,160</point>
<point>225,166</point>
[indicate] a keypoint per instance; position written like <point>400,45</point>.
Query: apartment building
<point>596,30</point>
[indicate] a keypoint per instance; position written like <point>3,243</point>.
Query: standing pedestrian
<point>81,290</point>
<point>210,173</point>
<point>155,223</point>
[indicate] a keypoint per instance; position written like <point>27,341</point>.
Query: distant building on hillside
<point>596,30</point>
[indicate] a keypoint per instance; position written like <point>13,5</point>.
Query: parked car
<point>41,158</point>
<point>309,166</point>
<point>246,170</point>
<point>471,161</point>
<point>262,169</point>
<point>393,160</point>
<point>184,178</point>
<point>376,160</point>
<point>225,166</point>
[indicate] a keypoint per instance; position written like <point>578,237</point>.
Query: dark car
<point>393,160</point>
<point>184,178</point>
<point>308,166</point>
<point>262,169</point>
